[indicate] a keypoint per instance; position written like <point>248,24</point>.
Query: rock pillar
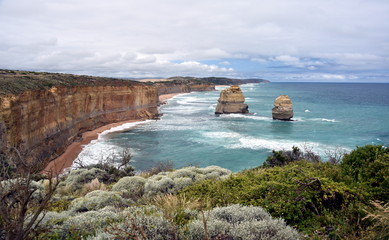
<point>231,100</point>
<point>283,108</point>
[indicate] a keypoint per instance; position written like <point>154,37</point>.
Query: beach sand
<point>66,160</point>
<point>165,97</point>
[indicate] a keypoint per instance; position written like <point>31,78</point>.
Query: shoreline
<point>66,159</point>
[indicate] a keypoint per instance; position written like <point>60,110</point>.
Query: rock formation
<point>231,100</point>
<point>283,108</point>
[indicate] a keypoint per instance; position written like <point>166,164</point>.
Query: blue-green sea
<point>327,116</point>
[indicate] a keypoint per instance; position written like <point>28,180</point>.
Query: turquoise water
<point>327,116</point>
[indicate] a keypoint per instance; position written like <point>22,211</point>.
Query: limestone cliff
<point>231,100</point>
<point>45,122</point>
<point>283,108</point>
<point>43,113</point>
<point>183,87</point>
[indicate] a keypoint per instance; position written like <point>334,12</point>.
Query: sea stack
<point>231,100</point>
<point>283,108</point>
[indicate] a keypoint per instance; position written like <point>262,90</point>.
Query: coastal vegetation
<point>16,82</point>
<point>219,80</point>
<point>293,195</point>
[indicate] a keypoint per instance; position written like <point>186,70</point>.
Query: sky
<point>278,40</point>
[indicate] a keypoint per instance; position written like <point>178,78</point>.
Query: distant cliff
<point>221,80</point>
<point>42,113</point>
<point>183,86</point>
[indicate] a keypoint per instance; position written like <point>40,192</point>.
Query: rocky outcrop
<point>231,100</point>
<point>283,108</point>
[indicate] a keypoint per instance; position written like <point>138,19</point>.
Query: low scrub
<point>309,196</point>
<point>238,222</point>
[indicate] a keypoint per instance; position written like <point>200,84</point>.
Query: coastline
<point>66,159</point>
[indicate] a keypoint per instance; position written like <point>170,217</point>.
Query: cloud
<point>156,37</point>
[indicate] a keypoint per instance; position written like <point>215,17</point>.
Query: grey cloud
<point>92,35</point>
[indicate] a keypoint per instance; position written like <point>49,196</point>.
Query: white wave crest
<point>324,120</point>
<point>97,151</point>
<point>222,135</point>
<point>282,144</point>
<point>121,128</point>
<point>276,144</point>
<point>254,117</point>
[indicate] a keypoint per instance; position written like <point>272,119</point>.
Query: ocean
<point>327,117</point>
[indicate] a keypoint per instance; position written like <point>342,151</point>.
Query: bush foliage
<point>307,195</point>
<point>368,167</point>
<point>321,200</point>
<point>239,222</point>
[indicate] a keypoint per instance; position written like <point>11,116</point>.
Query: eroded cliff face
<point>168,88</point>
<point>44,122</point>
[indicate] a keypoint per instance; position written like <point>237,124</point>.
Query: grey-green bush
<point>133,187</point>
<point>172,182</point>
<point>98,199</point>
<point>160,185</point>
<point>89,221</point>
<point>7,189</point>
<point>139,223</point>
<point>76,178</point>
<point>68,223</point>
<point>240,222</point>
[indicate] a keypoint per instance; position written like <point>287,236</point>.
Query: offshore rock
<point>283,108</point>
<point>231,100</point>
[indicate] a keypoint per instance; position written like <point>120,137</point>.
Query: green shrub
<point>281,158</point>
<point>368,166</point>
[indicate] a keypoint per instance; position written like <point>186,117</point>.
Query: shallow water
<point>327,116</point>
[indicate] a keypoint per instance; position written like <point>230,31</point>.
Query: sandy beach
<point>165,97</point>
<point>65,160</point>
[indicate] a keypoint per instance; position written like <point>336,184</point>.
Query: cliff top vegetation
<point>14,82</point>
<point>219,80</point>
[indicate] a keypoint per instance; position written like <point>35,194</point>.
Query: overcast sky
<point>279,40</point>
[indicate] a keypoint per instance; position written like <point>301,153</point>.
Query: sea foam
<point>121,128</point>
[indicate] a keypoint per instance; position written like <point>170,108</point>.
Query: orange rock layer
<point>43,123</point>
